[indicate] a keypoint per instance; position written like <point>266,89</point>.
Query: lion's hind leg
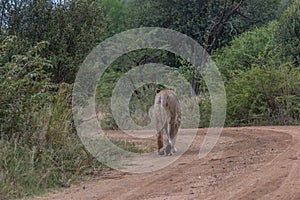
<point>169,146</point>
<point>160,143</point>
<point>173,136</point>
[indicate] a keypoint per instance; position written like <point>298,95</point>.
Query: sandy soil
<point>246,163</point>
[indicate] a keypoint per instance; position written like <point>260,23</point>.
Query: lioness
<point>166,109</point>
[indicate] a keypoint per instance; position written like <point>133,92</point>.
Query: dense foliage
<point>262,84</point>
<point>266,94</point>
<point>72,29</point>
<point>23,83</point>
<point>288,33</point>
<point>244,50</point>
<point>212,23</point>
<point>38,148</point>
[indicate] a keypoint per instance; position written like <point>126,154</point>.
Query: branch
<point>244,16</point>
<point>217,28</point>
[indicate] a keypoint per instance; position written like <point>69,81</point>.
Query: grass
<point>48,155</point>
<point>27,171</point>
<point>129,146</point>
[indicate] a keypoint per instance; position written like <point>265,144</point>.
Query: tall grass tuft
<point>48,156</point>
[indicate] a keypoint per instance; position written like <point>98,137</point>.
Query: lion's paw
<point>161,151</point>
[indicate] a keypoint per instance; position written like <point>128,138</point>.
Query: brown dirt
<point>246,163</point>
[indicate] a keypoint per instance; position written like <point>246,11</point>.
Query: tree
<point>289,32</point>
<point>72,29</point>
<point>75,29</point>
<point>212,23</point>
<point>116,16</point>
<point>245,50</point>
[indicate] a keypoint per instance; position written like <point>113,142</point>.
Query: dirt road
<point>246,163</point>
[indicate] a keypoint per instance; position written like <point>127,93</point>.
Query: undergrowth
<point>49,156</point>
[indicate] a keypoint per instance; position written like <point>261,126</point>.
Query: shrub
<point>38,146</point>
<point>244,50</point>
<point>264,95</point>
<point>52,156</point>
<point>23,85</point>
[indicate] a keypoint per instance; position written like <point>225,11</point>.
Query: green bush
<point>52,156</point>
<point>262,85</point>
<point>23,85</point>
<point>264,95</point>
<point>244,50</point>
<point>38,145</point>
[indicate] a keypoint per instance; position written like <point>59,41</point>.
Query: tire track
<point>277,179</point>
